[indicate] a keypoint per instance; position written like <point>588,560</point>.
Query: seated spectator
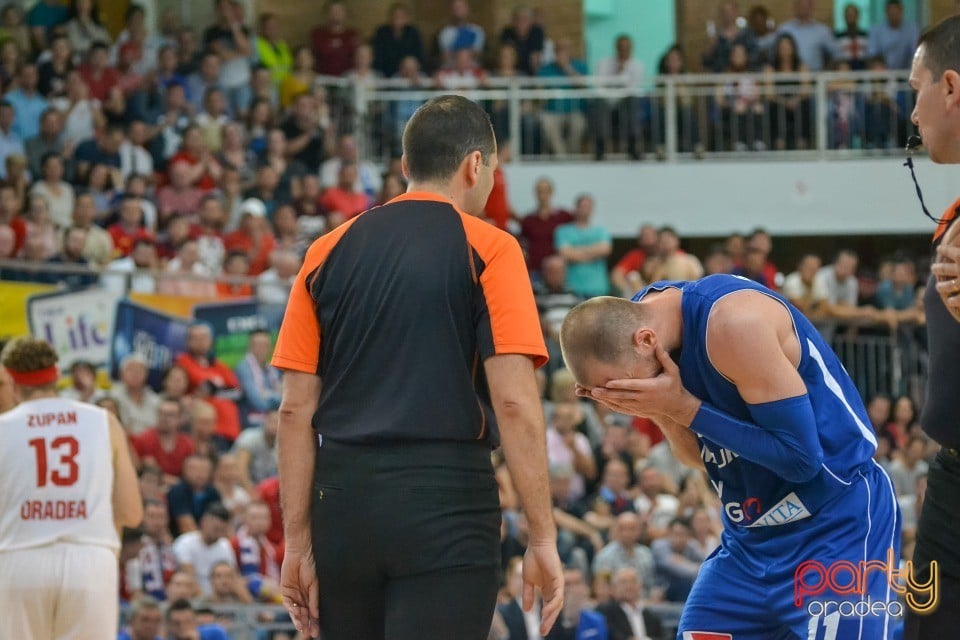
<point>227,482</point>
<point>97,73</point>
<point>612,498</point>
<point>460,34</point>
<point>213,118</point>
<point>49,140</point>
<point>839,280</point>
<point>98,246</point>
<point>232,41</point>
<point>137,403</point>
<point>705,532</point>
<point>879,409</point>
<point>42,233</point>
<point>462,73</point>
<point>625,550</point>
<point>899,291</point>
<point>227,586</point>
<point>369,181</point>
<point>207,76</point>
<point>180,196</point>
<point>71,255</point>
<point>204,168</point>
<point>301,77</point>
<point>362,73</point>
<point>803,289</point>
<point>8,242</point>
<point>741,105</point>
<point>27,102</point>
<point>182,624</point>
<point>183,586</point>
<point>57,192</point>
<point>82,116</point>
<point>726,34</point>
<point>563,388</point>
<point>520,624</point>
<point>186,275</point>
<point>83,383</point>
<point>10,141</point>
<point>567,446</point>
<point>904,469</point>
<point>654,503</point>
<point>527,39</point>
<point>269,492</point>
<point>554,302</point>
<point>334,42</point>
<point>129,227</point>
<point>585,247</point>
<point>341,202</point>
<point>753,267</point>
<point>256,451</point>
<point>164,446</point>
<point>677,560</point>
<point>104,150</point>
<point>136,187</point>
<point>560,114</point>
<point>135,159</point>
<point>231,282</point>
<point>134,273</point>
<point>627,274</point>
<point>171,123</point>
<point>626,613</point>
<point>254,238</point>
<point>267,189</point>
<point>273,285</point>
<point>537,229</point>
<point>235,155</point>
<point>145,619</point>
<point>260,382</point>
<point>200,364</point>
<point>257,557</point>
<point>618,118</point>
<point>396,40</point>
<point>576,620</point>
<point>84,29</point>
<point>190,499</point>
<point>672,262</point>
<point>305,133</point>
<point>208,232</point>
<point>205,428</point>
<point>150,572</point>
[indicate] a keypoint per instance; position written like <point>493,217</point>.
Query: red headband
<point>35,378</point>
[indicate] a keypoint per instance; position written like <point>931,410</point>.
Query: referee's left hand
<point>300,591</point>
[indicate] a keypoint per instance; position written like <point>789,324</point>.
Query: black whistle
<point>914,142</point>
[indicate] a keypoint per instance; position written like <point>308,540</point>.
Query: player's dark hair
<point>442,132</point>
<point>941,47</point>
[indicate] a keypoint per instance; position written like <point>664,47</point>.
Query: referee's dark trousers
<point>406,539</point>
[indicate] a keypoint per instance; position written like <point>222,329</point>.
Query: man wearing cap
<point>253,237</point>
<point>68,487</point>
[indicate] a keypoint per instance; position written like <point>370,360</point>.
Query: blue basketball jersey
<point>755,499</point>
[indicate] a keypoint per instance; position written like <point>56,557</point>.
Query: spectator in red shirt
<point>97,73</point>
<point>761,241</point>
<point>199,363</point>
<point>537,228</point>
<point>627,275</point>
<point>9,215</point>
<point>164,446</point>
<point>232,284</point>
<point>334,43</point>
<point>205,170</point>
<point>341,202</point>
<point>269,491</point>
<point>498,210</point>
<point>129,228</point>
<point>254,238</point>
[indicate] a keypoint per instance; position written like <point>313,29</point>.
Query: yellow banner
<point>13,306</point>
<point>177,306</point>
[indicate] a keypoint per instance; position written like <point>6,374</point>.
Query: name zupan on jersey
<point>51,419</point>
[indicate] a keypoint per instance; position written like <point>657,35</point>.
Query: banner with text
<point>156,336</point>
<point>78,324</point>
<point>232,323</point>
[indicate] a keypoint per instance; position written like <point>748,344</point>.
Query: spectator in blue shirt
<point>894,39</point>
<point>259,381</point>
<point>559,114</point>
<point>27,102</point>
<point>182,624</point>
<point>816,43</point>
<point>10,142</point>
<point>460,34</point>
<point>900,290</point>
<point>576,622</point>
<point>145,620</point>
<point>585,247</point>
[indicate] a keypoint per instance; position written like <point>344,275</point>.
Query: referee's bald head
<point>441,134</point>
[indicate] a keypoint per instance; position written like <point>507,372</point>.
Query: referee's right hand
<point>542,569</point>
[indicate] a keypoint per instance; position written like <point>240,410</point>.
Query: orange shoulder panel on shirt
<point>948,216</point>
<point>298,343</point>
<point>514,320</point>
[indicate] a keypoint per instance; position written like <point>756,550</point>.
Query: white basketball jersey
<point>56,475</point>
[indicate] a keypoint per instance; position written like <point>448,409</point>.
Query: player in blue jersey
<point>753,395</point>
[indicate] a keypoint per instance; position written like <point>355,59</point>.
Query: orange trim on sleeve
<point>514,320</point>
<point>946,219</point>
<point>299,340</point>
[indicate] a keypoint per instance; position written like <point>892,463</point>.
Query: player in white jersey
<point>67,485</point>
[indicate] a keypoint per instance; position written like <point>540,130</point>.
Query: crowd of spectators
<point>203,165</point>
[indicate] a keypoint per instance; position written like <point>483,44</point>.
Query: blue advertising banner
<point>156,336</point>
<point>232,323</point>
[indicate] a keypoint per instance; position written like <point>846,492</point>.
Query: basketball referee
<point>409,346</point>
<point>936,79</point>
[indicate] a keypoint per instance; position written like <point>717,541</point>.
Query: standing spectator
<point>369,180</point>
<point>99,243</point>
<point>55,190</point>
<point>677,560</point>
<point>585,247</point>
<point>259,381</point>
<point>564,113</point>
<point>84,27</point>
<point>27,102</point>
<point>231,41</point>
<point>459,34</point>
<point>190,498</point>
<point>97,73</point>
<point>537,228</point>
<point>272,49</point>
<point>724,35</point>
<point>11,144</point>
<point>334,43</point>
<point>816,44</point>
<point>527,39</point>
<point>760,25</point>
<point>198,550</point>
<point>789,107</point>
<point>301,78</point>
<point>803,289</point>
<point>43,18</point>
<point>619,118</point>
<point>577,622</point>
<point>256,451</point>
<point>137,403</point>
<point>164,446</point>
<point>49,140</point>
<point>625,551</point>
<point>852,41</point>
<point>894,40</point>
<point>627,274</point>
<point>627,615</point>
<point>52,74</point>
<point>396,40</point>
<point>189,54</point>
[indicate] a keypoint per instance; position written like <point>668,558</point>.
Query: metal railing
<point>823,115</point>
<point>892,363</point>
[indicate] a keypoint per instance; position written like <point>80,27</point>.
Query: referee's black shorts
<point>406,539</point>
